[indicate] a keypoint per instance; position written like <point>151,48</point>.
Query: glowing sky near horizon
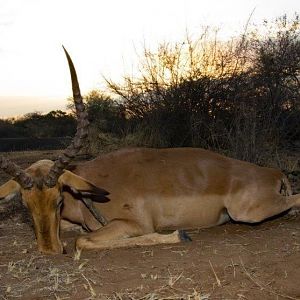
<point>102,37</point>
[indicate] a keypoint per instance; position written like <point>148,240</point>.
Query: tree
<point>240,96</point>
<point>105,114</point>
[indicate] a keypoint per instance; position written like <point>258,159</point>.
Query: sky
<point>103,37</point>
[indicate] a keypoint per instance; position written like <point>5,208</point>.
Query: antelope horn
<point>20,176</point>
<point>82,131</point>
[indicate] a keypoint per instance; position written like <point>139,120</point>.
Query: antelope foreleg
<point>121,234</point>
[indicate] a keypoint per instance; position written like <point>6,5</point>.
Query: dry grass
<point>199,270</point>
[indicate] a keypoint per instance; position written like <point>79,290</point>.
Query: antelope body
<point>142,192</point>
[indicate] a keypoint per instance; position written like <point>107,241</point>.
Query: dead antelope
<point>149,190</point>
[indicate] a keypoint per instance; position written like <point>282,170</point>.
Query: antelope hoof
<point>184,236</point>
<point>82,242</point>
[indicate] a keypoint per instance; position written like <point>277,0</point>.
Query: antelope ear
<point>9,189</point>
<point>80,188</point>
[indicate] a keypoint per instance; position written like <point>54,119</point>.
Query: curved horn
<point>20,176</point>
<point>82,131</point>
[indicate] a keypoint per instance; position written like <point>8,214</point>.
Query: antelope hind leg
<point>262,209</point>
<point>120,234</point>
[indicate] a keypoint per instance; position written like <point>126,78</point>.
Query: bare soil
<point>232,261</point>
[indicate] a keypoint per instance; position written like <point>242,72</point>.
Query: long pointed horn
<point>82,131</point>
<point>20,176</point>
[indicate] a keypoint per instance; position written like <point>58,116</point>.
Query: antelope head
<point>41,185</point>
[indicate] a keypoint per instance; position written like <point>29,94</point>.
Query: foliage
<point>53,124</point>
<point>240,97</point>
<point>105,114</point>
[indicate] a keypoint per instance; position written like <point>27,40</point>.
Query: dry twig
<point>263,287</point>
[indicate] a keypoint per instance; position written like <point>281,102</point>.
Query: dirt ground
<point>232,261</point>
